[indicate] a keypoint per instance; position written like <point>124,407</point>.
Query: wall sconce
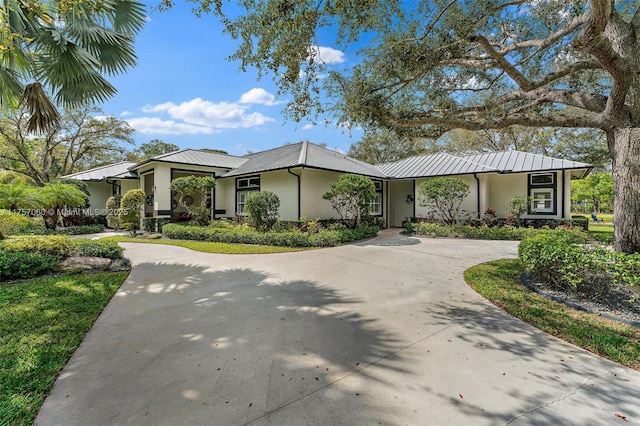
<point>408,199</point>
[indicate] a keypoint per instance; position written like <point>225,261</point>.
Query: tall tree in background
<point>150,149</point>
<point>64,49</point>
<point>483,64</point>
<point>79,141</point>
<point>384,145</point>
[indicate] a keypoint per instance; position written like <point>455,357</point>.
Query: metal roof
<point>443,164</point>
<point>429,165</point>
<point>112,171</point>
<point>196,157</point>
<point>303,154</point>
<point>517,161</point>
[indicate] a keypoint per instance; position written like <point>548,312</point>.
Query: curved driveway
<point>381,332</point>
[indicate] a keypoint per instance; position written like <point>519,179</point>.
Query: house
<point>301,173</point>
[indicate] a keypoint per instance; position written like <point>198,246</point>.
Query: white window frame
<point>241,199</point>
<point>535,202</point>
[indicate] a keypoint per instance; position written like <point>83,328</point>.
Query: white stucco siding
<point>99,192</point>
<point>285,186</point>
<point>470,203</point>
<point>399,209</point>
<point>315,183</point>
<point>226,197</point>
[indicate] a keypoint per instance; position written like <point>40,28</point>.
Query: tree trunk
<point>625,153</point>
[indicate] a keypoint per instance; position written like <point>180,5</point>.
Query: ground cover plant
<point>499,282</point>
<point>42,322</point>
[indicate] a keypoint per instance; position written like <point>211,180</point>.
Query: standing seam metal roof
<point>197,158</point>
<point>303,154</point>
<point>115,171</point>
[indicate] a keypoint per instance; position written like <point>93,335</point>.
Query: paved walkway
<point>381,332</point>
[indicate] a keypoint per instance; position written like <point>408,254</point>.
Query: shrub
<point>296,238</point>
<point>13,223</point>
<point>581,221</point>
<point>83,229</point>
<point>130,206</point>
<point>18,265</point>
<point>190,186</point>
<point>154,224</point>
<point>350,196</point>
<point>59,246</point>
<point>262,209</point>
<point>113,211</point>
<point>98,248</point>
<point>627,269</point>
<point>564,261</point>
<point>445,195</point>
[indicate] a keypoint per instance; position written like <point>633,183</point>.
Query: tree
<point>58,196</point>
<point>191,186</point>
<point>150,149</point>
<point>432,66</point>
<point>596,189</point>
<point>262,208</point>
<point>351,196</point>
<point>79,141</point>
<point>445,195</point>
<point>64,48</point>
<point>383,146</point>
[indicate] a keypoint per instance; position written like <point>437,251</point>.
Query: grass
<point>42,322</point>
<point>499,282</point>
<point>210,247</point>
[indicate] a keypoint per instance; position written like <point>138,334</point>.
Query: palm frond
<point>11,88</point>
<point>43,113</point>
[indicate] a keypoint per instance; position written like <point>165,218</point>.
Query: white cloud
<point>258,95</point>
<point>220,115</point>
<point>155,125</point>
<point>326,55</point>
<point>308,126</point>
<point>125,113</point>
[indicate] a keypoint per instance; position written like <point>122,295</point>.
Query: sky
<point>185,91</point>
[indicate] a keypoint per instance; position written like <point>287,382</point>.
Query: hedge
<point>98,248</point>
<point>59,246</point>
<point>324,238</point>
<point>18,265</point>
<point>483,232</point>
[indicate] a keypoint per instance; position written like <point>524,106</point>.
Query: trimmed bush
<point>59,246</point>
<point>19,265</point>
<point>113,211</point>
<point>154,224</point>
<point>262,209</point>
<point>129,214</point>
<point>324,238</point>
<point>98,248</point>
<point>483,232</point>
<point>563,260</point>
<point>13,223</point>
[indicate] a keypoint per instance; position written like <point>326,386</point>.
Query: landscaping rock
<point>83,263</point>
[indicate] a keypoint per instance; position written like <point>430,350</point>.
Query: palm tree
<point>58,196</point>
<point>18,196</point>
<point>64,48</point>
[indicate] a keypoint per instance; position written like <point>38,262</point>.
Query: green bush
<point>222,223</point>
<point>154,224</point>
<point>13,223</point>
<point>324,238</point>
<point>262,209</point>
<point>113,211</point>
<point>59,246</point>
<point>483,232</point>
<point>18,265</point>
<point>627,269</point>
<point>98,248</point>
<point>580,221</point>
<point>83,229</point>
<point>563,260</point>
<point>129,213</point>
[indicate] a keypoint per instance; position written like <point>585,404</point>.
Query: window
<point>375,206</point>
<point>542,187</point>
<point>244,186</point>
<point>542,200</point>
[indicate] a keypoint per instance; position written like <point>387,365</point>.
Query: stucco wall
<point>315,183</point>
<point>285,186</point>
<point>99,192</point>
<point>398,207</point>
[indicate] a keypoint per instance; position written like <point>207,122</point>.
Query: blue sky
<point>185,91</point>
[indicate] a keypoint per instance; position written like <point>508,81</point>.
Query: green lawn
<point>209,247</point>
<point>42,322</point>
<point>499,282</point>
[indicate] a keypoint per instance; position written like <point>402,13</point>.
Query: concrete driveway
<point>381,332</point>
